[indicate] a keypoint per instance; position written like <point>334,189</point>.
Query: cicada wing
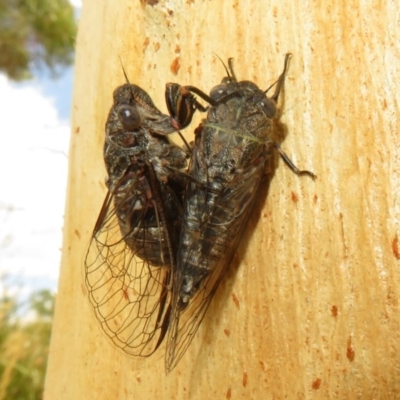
<point>129,296</point>
<point>185,323</point>
<point>220,231</point>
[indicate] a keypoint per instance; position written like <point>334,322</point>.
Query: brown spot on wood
<point>350,353</point>
<point>316,384</point>
<point>228,393</point>
<point>146,43</point>
<point>244,380</point>
<point>227,332</point>
<point>384,105</point>
<point>395,247</point>
<point>77,233</point>
<point>295,198</point>
<point>149,2</point>
<point>262,365</point>
<point>156,46</point>
<point>177,49</point>
<point>334,311</point>
<point>77,129</point>
<point>315,198</point>
<point>235,300</point>
<point>175,66</point>
<point>139,379</point>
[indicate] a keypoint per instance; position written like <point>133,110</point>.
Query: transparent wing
<point>219,231</point>
<point>130,297</point>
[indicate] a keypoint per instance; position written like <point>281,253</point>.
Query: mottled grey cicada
<point>130,261</point>
<point>232,146</point>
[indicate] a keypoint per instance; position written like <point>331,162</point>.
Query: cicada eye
<point>268,107</point>
<point>129,117</point>
<point>219,91</point>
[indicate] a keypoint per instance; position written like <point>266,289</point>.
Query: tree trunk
<point>310,307</point>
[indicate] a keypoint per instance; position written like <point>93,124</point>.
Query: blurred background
<point>37,40</point>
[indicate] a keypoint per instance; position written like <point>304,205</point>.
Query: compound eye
<point>268,107</point>
<point>219,91</point>
<point>129,117</point>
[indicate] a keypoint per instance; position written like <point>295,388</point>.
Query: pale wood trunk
<point>311,306</point>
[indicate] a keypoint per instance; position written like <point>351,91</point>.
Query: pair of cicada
<point>166,233</point>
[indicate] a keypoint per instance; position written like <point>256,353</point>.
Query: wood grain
<point>310,308</point>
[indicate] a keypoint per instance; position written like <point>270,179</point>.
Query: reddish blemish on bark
<point>350,353</point>
<point>316,384</point>
<point>334,311</point>
<point>235,300</point>
<point>175,66</point>
<point>395,247</point>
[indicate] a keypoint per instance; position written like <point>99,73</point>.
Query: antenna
<point>123,69</point>
<point>226,69</point>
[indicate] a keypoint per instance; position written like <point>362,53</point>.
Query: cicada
<point>232,146</point>
<point>131,256</point>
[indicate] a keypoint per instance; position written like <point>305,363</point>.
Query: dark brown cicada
<point>231,149</point>
<point>130,261</point>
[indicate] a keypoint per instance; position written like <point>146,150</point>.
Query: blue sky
<point>60,90</point>
<point>35,138</point>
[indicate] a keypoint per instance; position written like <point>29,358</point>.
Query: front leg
<point>182,104</point>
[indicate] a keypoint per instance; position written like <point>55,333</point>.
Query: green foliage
<point>24,345</point>
<point>35,33</point>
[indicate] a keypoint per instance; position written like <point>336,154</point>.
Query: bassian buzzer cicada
<point>231,149</point>
<point>131,257</point>
<point>143,284</point>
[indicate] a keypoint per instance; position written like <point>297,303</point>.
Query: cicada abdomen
<point>133,248</point>
<point>231,148</point>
